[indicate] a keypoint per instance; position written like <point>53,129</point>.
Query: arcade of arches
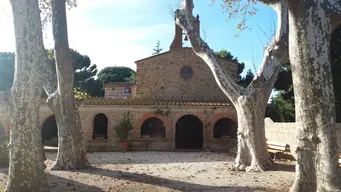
<point>181,132</point>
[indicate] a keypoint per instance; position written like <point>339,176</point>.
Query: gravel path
<point>165,171</point>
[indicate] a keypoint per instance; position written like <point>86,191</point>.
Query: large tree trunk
<point>310,32</point>
<point>71,144</point>
<point>250,102</point>
<point>252,153</point>
<point>26,169</point>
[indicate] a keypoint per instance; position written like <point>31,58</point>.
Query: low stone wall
<point>286,133</point>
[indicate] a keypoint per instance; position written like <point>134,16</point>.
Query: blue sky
<point>118,32</point>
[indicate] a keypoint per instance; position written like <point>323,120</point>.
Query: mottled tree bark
<point>71,143</point>
<point>310,32</point>
<point>4,158</point>
<point>26,169</point>
<point>4,154</point>
<point>250,102</point>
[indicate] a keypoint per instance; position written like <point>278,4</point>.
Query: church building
<point>175,104</point>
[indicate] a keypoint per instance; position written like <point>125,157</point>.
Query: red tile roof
<point>103,101</point>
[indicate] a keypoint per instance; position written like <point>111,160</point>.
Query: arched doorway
<point>153,127</point>
<point>189,133</point>
<point>100,129</point>
<point>225,127</point>
<point>49,132</point>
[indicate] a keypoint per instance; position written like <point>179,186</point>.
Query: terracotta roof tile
<point>103,101</point>
<point>120,83</point>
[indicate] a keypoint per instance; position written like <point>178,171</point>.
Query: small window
<point>127,90</point>
<point>186,72</point>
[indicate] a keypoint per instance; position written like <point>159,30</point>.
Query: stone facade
<point>179,74</point>
<point>175,103</point>
<point>159,77</point>
<point>118,90</point>
<point>169,114</point>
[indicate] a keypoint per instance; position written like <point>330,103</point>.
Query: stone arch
<point>225,127</point>
<point>49,132</point>
<point>144,117</point>
<point>153,127</point>
<point>100,127</point>
<point>218,116</point>
<point>189,132</point>
<point>179,115</point>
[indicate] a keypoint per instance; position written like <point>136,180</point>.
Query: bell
<point>186,38</point>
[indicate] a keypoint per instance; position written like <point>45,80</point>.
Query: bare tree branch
<point>277,51</point>
<point>185,19</point>
<point>275,54</point>
<point>49,77</point>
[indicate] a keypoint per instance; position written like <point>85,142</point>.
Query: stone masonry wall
<point>275,132</point>
<point>286,133</point>
<point>158,77</point>
<point>207,115</point>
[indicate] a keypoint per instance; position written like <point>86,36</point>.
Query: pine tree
<point>157,48</point>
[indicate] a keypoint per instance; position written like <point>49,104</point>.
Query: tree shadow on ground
<point>57,184</point>
<point>280,166</point>
<point>169,183</point>
<point>144,157</point>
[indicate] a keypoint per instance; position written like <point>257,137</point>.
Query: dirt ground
<point>164,171</point>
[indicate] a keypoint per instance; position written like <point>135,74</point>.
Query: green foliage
<point>84,72</point>
<point>284,84</point>
<point>124,126</point>
<point>226,55</point>
<point>132,77</point>
<point>163,112</point>
<point>280,110</point>
<point>115,74</point>
<point>157,49</point>
<point>79,94</point>
<point>243,81</point>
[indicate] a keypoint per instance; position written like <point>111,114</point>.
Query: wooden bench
<point>278,148</point>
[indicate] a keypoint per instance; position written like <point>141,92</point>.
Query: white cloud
<point>6,27</point>
<point>107,45</point>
